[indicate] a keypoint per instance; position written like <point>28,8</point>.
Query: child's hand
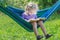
<point>28,21</point>
<point>32,20</point>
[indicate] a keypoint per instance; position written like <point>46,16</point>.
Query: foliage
<point>22,3</point>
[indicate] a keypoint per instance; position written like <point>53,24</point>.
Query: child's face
<point>32,11</point>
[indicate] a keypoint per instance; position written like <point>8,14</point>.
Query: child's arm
<point>41,19</point>
<point>32,20</point>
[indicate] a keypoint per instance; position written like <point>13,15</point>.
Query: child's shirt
<point>27,17</point>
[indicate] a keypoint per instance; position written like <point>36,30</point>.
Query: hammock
<point>16,14</point>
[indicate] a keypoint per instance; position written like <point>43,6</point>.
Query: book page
<point>33,20</point>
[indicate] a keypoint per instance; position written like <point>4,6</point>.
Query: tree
<point>3,3</point>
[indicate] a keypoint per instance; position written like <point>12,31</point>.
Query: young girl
<point>30,14</point>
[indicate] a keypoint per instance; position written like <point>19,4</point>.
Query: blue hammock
<point>16,14</point>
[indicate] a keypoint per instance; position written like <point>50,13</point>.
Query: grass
<point>10,30</point>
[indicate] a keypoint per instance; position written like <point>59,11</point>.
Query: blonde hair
<point>31,5</point>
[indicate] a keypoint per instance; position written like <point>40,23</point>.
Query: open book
<point>33,20</point>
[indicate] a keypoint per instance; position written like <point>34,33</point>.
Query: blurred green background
<point>10,30</point>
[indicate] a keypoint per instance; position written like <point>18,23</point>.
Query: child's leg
<point>44,30</point>
<point>35,28</point>
<point>35,31</point>
<point>42,27</point>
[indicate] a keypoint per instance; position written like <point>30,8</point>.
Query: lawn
<point>10,30</point>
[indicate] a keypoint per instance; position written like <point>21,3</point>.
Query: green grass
<point>10,30</point>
